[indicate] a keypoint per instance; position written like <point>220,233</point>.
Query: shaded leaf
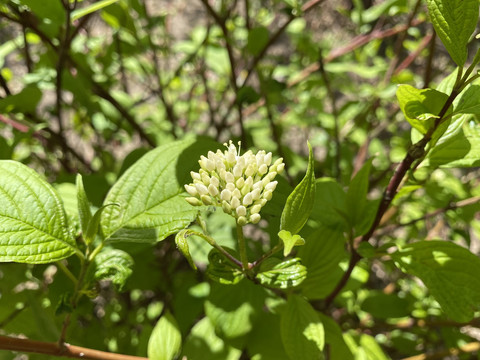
<point>222,270</point>
<point>166,340</point>
<point>302,331</point>
<point>449,271</point>
<point>114,265</point>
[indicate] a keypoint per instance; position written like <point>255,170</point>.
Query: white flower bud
<point>214,181</point>
<point>280,168</point>
<point>237,170</point>
<point>209,165</point>
<point>191,190</point>
<point>235,202</point>
<point>193,201</point>
<point>226,207</point>
<point>247,199</point>
<point>267,195</point>
<point>250,170</point>
<point>229,177</point>
<point>263,169</point>
<point>237,193</point>
<point>213,190</point>
<point>255,209</point>
<point>255,218</point>
<point>201,188</point>
<point>241,210</point>
<point>206,199</point>
<point>226,195</point>
<point>271,186</point>
<point>257,185</point>
<point>205,179</point>
<point>230,157</point>
<point>195,176</point>
<point>240,182</point>
<point>242,220</point>
<point>256,194</point>
<point>230,187</point>
<point>267,160</point>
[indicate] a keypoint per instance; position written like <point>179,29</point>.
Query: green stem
<point>272,251</point>
<point>67,272</point>
<point>95,252</point>
<point>242,248</point>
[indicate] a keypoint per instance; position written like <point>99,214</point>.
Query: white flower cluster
<point>241,185</point>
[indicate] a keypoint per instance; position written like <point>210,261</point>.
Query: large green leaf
<point>233,309</point>
<point>449,271</point>
<point>322,253</point>
<point>364,346</point>
<point>468,101</point>
<point>166,340</point>
<point>454,22</point>
<point>302,331</point>
<point>357,195</point>
<point>282,274</point>
<point>420,107</point>
<point>300,202</point>
<point>150,194</point>
<point>330,204</point>
<point>459,146</point>
<point>33,223</point>
<point>338,349</point>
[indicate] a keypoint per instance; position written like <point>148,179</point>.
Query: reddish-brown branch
<point>67,350</point>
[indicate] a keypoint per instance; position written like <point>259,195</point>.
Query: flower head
<point>240,184</point>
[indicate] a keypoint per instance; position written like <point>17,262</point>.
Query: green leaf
<point>420,107</point>
<point>300,202</point>
<point>364,346</point>
<point>330,204</point>
<point>24,102</point>
<point>302,331</point>
<point>84,212</point>
<point>454,22</point>
<point>203,344</point>
<point>94,223</point>
<point>257,39</point>
<point>385,306</point>
<point>233,309</point>
<point>222,270</point>
<point>338,349</point>
<point>151,194</point>
<point>182,245</point>
<point>77,14</point>
<point>282,274</point>
<point>166,340</point>
<point>356,199</point>
<point>459,146</point>
<point>33,223</point>
<point>289,241</point>
<point>323,251</point>
<point>113,264</point>
<point>469,101</point>
<point>449,271</point>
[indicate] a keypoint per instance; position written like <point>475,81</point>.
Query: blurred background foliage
<point>90,86</point>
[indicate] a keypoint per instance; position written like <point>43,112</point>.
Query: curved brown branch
<point>67,350</point>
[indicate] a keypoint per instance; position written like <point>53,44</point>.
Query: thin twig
<point>65,350</point>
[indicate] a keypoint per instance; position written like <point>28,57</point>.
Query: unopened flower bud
<point>255,209</point>
<point>247,199</point>
<point>237,193</point>
<point>241,210</point>
<point>255,218</point>
<point>212,190</point>
<point>230,187</point>
<point>226,195</point>
<point>193,201</point>
<point>237,171</point>
<point>226,207</point>
<point>191,190</point>
<point>256,194</point>
<point>206,199</point>
<point>235,202</point>
<point>267,160</point>
<point>263,169</point>
<point>280,168</point>
<point>242,220</point>
<point>202,189</point>
<point>229,177</point>
<point>195,176</point>
<point>271,186</point>
<point>240,182</point>
<point>267,195</point>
